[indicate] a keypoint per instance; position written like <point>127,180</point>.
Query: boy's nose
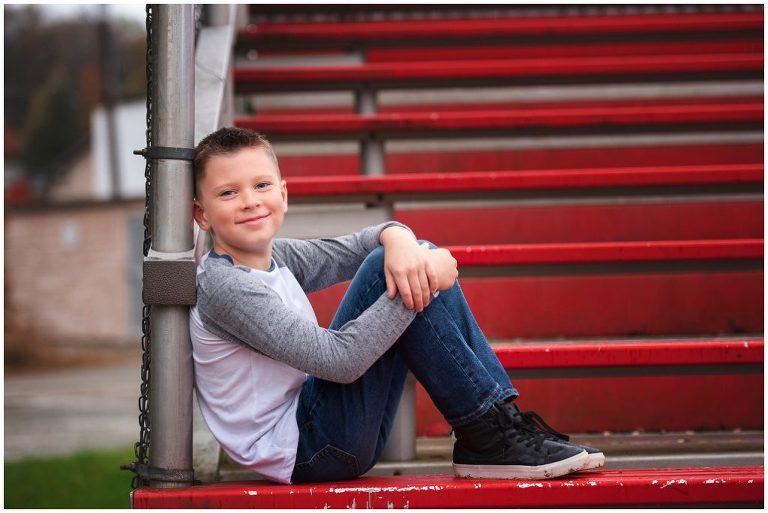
<point>250,198</point>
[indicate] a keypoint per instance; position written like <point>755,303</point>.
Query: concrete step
<point>622,451</point>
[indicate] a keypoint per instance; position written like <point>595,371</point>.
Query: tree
<point>52,79</point>
<point>51,133</point>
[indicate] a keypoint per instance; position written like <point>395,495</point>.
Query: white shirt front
<point>247,399</point>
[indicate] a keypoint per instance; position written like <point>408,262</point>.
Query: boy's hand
<point>408,268</point>
<point>445,266</point>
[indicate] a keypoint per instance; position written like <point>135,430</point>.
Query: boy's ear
<point>199,214</point>
<point>284,192</point>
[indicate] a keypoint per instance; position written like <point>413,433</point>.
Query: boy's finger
<point>415,286</point>
<point>424,282</point>
<point>432,277</point>
<point>405,291</point>
<point>391,288</point>
<point>416,291</point>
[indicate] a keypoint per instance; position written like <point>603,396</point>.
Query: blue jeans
<point>343,427</point>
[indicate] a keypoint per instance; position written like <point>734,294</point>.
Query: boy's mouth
<point>253,220</point>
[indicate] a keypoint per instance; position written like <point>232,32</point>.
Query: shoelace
<point>518,429</point>
<point>532,418</point>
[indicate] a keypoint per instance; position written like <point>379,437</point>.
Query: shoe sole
<point>556,469</point>
<point>594,460</point>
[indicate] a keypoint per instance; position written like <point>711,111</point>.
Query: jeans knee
<point>375,259</point>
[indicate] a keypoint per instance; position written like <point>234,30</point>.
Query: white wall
<point>130,119</point>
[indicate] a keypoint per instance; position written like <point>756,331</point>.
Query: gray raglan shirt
<point>255,338</point>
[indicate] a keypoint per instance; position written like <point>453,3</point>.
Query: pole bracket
<point>166,153</point>
<point>148,473</point>
<point>169,278</point>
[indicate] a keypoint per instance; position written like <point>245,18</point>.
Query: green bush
<point>82,480</point>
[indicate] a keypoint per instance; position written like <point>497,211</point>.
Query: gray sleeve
<point>237,306</point>
<point>320,263</point>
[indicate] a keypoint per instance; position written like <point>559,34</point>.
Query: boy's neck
<point>259,261</point>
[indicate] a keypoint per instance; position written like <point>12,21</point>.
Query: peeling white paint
<point>592,483</point>
<point>569,483</point>
<point>528,485</point>
<point>672,481</point>
<point>750,481</point>
<point>376,489</point>
<point>713,481</point>
<point>654,481</point>
<point>251,492</point>
<point>478,485</point>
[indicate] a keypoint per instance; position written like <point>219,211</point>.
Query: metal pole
<point>172,371</point>
<point>401,445</point>
<point>371,148</point>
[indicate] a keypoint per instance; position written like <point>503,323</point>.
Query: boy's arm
<point>242,309</point>
<point>320,263</point>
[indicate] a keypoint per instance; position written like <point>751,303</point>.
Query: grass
<point>82,480</point>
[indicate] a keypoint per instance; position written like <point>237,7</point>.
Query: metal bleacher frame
<point>376,195</point>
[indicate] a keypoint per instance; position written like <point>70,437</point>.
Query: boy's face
<point>243,202</point>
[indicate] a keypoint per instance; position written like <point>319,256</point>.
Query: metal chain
<point>142,446</point>
<point>148,167</point>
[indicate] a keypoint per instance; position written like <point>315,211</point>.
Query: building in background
<point>73,263</point>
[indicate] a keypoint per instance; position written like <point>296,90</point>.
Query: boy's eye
<point>226,193</point>
<point>263,185</point>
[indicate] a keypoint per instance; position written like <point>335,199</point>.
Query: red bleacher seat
<point>617,488</point>
<point>346,34</point>
<point>514,159</point>
<point>432,185</point>
<point>515,71</point>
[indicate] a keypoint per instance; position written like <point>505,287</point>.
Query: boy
<point>295,402</point>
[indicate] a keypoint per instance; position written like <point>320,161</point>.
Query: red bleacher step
<point>599,252</point>
<point>670,395</point>
<point>595,221</point>
<point>432,184</point>
<point>510,51</point>
<point>619,488</point>
<point>607,118</point>
<point>445,73</point>
<point>470,103</point>
<point>329,34</point>
<point>505,158</point>
<point>491,51</point>
<point>634,354</point>
<point>610,289</point>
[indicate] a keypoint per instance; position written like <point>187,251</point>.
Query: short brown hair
<point>225,141</point>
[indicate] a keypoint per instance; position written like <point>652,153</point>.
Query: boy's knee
<point>376,254</point>
<point>375,260</point>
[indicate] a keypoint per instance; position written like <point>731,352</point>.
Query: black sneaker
<point>596,457</point>
<point>501,444</point>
